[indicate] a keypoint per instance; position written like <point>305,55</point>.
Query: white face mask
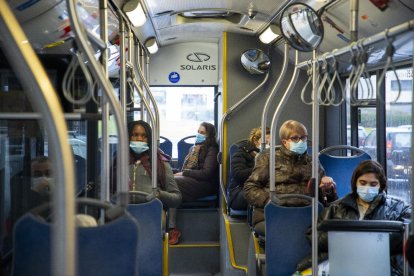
<point>367,193</point>
<point>42,184</point>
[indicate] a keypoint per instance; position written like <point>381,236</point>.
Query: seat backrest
<point>183,147</point>
<point>340,168</point>
<point>166,145</point>
<point>286,242</point>
<point>150,251</point>
<point>110,249</point>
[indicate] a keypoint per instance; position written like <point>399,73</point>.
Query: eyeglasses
<point>297,138</point>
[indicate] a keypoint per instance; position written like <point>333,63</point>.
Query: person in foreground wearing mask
<point>242,163</point>
<point>140,138</point>
<point>41,175</point>
<point>367,201</point>
<point>293,171</point>
<point>199,176</point>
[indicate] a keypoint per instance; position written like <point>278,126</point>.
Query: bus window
<point>182,109</point>
<point>398,132</point>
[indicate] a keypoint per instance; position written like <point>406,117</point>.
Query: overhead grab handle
<point>389,52</point>
<point>302,94</point>
<point>334,66</point>
<point>68,82</point>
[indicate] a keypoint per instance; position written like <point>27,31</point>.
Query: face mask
<point>367,193</point>
<point>42,184</point>
<point>200,138</point>
<point>267,146</point>
<point>299,147</point>
<point>138,147</point>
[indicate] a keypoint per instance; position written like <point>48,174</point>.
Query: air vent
<point>246,29</point>
<point>164,13</point>
<point>213,16</point>
<point>207,14</point>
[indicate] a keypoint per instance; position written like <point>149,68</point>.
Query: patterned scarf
<point>191,160</point>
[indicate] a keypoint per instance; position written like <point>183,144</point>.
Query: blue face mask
<point>299,147</point>
<point>200,138</point>
<point>138,147</point>
<point>367,193</point>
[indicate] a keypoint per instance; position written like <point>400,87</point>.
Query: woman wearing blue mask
<point>367,201</point>
<point>140,137</point>
<point>199,176</point>
<point>293,171</point>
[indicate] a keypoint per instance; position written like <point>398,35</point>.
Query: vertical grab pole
<point>156,126</point>
<point>275,119</point>
<point>98,72</point>
<point>353,25</point>
<point>271,96</point>
<point>103,18</point>
<point>153,117</point>
<point>122,69</point>
<point>43,97</point>
<point>315,164</point>
<point>227,117</point>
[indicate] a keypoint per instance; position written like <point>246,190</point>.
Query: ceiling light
<point>151,45</point>
<point>135,12</point>
<point>268,35</point>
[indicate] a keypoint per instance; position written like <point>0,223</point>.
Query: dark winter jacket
<point>382,208</point>
<point>242,163</point>
<point>293,172</point>
<point>207,168</point>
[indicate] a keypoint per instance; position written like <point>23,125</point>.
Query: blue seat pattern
<point>340,168</point>
<point>110,249</point>
<point>150,251</point>
<point>286,242</point>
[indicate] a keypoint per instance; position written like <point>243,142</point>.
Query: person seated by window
<point>292,173</point>
<point>367,201</point>
<point>31,189</point>
<point>199,175</point>
<point>242,163</point>
<point>140,137</point>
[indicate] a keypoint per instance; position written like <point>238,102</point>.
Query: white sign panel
<point>185,64</point>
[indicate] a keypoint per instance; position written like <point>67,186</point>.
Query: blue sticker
<point>174,77</point>
<point>26,5</point>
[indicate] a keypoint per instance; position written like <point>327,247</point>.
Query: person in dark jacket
<point>200,175</point>
<point>293,171</point>
<point>367,201</point>
<point>242,163</point>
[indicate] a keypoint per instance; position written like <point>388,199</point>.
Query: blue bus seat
<point>340,168</point>
<point>166,145</point>
<point>183,147</point>
<point>150,251</point>
<point>110,249</point>
<point>286,242</point>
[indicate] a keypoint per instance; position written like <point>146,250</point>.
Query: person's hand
<point>179,174</point>
<point>327,184</point>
